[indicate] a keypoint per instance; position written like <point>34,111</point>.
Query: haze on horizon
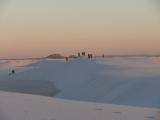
<point>34,28</point>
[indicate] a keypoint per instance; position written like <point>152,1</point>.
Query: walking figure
<point>90,56</point>
<point>12,72</point>
<point>79,55</point>
<point>66,59</point>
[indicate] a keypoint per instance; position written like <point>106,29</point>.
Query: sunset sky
<point>34,28</point>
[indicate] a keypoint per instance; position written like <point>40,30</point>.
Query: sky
<point>35,28</point>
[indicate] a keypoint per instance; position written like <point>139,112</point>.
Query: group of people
<point>83,54</point>
<point>90,56</point>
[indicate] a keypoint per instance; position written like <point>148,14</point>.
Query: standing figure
<point>89,56</point>
<point>83,53</point>
<point>12,72</point>
<point>79,55</point>
<point>66,59</point>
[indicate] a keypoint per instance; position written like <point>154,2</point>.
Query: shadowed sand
<point>45,88</point>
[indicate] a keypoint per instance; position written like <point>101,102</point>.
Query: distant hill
<point>72,56</point>
<point>56,56</point>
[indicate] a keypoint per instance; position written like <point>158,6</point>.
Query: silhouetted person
<point>83,53</point>
<point>103,56</point>
<point>12,72</point>
<point>67,59</point>
<point>79,54</point>
<point>89,56</point>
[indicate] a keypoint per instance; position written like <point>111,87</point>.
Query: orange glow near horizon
<point>120,39</point>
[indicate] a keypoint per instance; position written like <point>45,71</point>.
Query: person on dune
<point>12,72</point>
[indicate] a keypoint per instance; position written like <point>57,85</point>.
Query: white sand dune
<point>12,64</point>
<point>15,106</point>
<point>113,81</point>
<point>122,81</point>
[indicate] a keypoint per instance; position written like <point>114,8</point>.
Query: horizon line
<point>106,55</point>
